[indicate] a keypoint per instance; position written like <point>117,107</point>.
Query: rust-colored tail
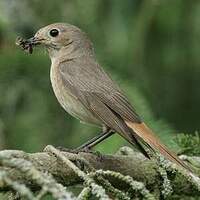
<point>145,133</point>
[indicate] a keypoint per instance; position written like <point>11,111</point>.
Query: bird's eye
<point>54,32</point>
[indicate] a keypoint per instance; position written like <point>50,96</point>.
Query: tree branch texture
<point>103,176</point>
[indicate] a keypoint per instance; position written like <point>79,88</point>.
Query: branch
<point>53,169</point>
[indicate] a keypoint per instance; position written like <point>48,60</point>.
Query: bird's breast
<point>67,100</point>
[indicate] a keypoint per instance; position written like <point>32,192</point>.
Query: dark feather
<point>102,97</point>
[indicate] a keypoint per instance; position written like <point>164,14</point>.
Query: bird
<point>86,91</point>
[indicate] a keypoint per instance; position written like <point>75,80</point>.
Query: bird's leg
<point>86,147</point>
<point>96,140</point>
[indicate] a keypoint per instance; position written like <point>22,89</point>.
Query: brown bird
<point>86,91</point>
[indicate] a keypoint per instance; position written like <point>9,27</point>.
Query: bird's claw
<point>81,150</point>
<point>76,151</point>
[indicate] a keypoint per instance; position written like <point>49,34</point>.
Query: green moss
<point>189,143</point>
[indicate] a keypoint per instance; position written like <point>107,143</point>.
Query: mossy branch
<point>125,175</point>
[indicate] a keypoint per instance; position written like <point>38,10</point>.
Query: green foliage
<point>147,49</point>
<point>189,144</point>
<point>29,110</point>
<point>151,47</point>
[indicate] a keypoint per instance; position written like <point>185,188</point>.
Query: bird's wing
<point>92,81</point>
<point>97,92</point>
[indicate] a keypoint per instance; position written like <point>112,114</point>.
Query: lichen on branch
<point>125,175</point>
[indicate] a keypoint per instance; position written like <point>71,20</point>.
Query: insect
<point>26,45</point>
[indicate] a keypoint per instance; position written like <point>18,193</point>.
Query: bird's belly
<point>69,102</point>
<point>75,108</point>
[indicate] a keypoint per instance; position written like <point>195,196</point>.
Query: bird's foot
<point>89,150</point>
<point>76,151</point>
<point>80,150</point>
<point>66,149</point>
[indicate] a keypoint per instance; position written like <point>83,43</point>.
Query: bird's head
<point>59,36</point>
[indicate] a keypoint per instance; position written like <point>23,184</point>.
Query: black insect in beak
<point>27,44</point>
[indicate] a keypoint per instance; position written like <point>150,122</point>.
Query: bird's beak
<point>28,44</point>
<point>34,41</point>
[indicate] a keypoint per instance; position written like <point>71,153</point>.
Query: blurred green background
<point>151,48</point>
